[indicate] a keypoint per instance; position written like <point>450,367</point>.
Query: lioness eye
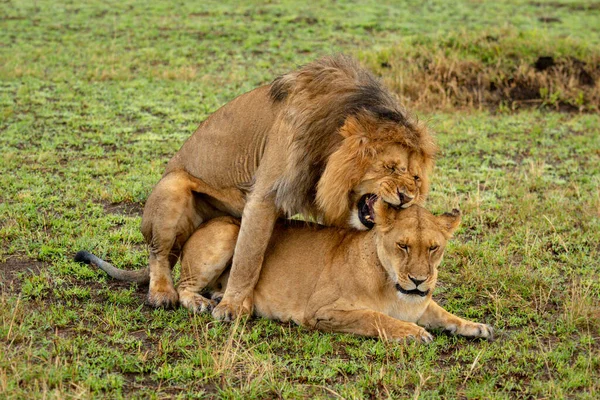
<point>402,246</point>
<point>434,248</point>
<point>416,177</point>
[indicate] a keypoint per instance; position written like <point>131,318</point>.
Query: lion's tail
<point>140,276</point>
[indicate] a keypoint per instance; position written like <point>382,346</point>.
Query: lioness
<point>323,141</point>
<point>376,283</point>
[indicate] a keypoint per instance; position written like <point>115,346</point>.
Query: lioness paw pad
<point>486,331</point>
<point>425,337</point>
<point>421,336</point>
<point>478,331</point>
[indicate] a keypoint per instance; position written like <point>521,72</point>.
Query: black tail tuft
<point>83,256</point>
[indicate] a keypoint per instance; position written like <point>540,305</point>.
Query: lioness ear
<point>449,221</point>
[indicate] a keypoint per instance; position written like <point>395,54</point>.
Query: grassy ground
<point>95,98</point>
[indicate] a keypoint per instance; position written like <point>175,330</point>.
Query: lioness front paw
<point>476,330</point>
<point>195,302</point>
<point>419,334</point>
<point>423,336</point>
<point>163,298</point>
<point>228,310</point>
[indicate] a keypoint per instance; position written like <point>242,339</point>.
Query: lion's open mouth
<point>412,291</point>
<point>366,214</point>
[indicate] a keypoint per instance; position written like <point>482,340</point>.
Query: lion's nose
<point>404,198</point>
<point>416,281</point>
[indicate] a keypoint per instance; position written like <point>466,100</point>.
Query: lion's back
<point>227,147</point>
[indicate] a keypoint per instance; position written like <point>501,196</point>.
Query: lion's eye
<point>434,248</point>
<point>417,178</point>
<point>402,246</point>
<point>391,168</point>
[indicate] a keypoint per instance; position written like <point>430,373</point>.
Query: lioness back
<point>297,255</point>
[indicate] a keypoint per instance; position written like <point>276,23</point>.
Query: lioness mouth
<point>412,291</point>
<point>366,214</point>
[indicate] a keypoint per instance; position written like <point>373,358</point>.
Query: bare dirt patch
<point>14,269</point>
<point>549,20</point>
<point>124,208</point>
<point>493,71</point>
<point>98,294</point>
<point>575,6</point>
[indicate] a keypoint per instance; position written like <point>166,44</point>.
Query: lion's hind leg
<point>206,255</point>
<point>172,213</point>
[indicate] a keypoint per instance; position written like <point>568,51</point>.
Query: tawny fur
<point>303,144</point>
<point>336,279</point>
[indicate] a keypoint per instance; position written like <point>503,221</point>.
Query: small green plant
<point>36,286</point>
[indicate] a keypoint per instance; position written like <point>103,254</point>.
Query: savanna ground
<point>96,96</point>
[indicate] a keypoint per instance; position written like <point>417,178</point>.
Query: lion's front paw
<point>476,330</point>
<point>195,302</point>
<point>228,310</point>
<point>166,298</point>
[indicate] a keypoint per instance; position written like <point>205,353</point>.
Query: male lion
<point>323,141</point>
<point>375,283</point>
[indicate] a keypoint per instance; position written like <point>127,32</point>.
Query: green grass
<point>95,98</point>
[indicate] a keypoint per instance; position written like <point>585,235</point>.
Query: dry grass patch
<point>579,308</point>
<point>505,69</point>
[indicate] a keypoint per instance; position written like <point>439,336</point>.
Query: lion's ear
<point>385,215</point>
<point>353,128</point>
<point>450,221</point>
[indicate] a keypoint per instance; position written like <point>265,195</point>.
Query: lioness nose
<point>404,198</point>
<point>416,281</point>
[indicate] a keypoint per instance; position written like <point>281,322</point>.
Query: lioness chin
<point>375,283</point>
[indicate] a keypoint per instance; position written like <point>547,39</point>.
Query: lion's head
<point>410,246</point>
<point>351,140</point>
<point>378,158</point>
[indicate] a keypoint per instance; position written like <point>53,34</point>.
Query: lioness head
<point>378,158</point>
<point>410,246</point>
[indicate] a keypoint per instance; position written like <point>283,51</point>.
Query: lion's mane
<point>341,116</point>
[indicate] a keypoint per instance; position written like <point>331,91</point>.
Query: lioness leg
<point>436,317</point>
<point>171,215</point>
<point>368,323</point>
<point>206,254</point>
